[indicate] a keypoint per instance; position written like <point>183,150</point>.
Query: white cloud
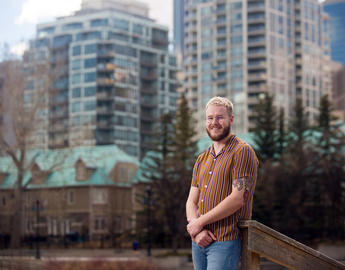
<point>19,48</point>
<point>35,11</point>
<point>161,10</point>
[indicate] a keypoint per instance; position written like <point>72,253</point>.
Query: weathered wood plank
<point>249,260</point>
<point>283,250</point>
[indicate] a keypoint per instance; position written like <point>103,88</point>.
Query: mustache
<point>215,126</point>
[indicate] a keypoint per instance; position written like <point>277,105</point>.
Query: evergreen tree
<point>184,156</point>
<point>281,133</point>
<point>265,127</point>
<point>331,172</point>
<point>168,169</point>
<point>298,127</point>
<point>155,172</point>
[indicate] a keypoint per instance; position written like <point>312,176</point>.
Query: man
<point>221,192</point>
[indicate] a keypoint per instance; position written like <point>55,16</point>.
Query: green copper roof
<point>61,163</point>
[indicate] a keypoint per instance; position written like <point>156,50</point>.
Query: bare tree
<point>25,106</point>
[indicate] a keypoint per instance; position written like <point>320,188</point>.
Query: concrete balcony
<point>105,125</point>
<point>257,77</point>
<point>257,65</point>
<point>255,6</point>
<point>105,81</point>
<point>190,39</point>
<point>252,19</point>
<point>104,96</point>
<point>108,139</point>
<point>106,67</point>
<point>105,54</point>
<point>259,30</point>
<point>299,73</point>
<point>253,100</point>
<point>146,61</point>
<point>257,88</point>
<point>148,90</point>
<point>104,110</point>
<point>148,75</point>
<point>256,54</point>
<point>57,128</point>
<point>59,114</point>
<point>256,42</point>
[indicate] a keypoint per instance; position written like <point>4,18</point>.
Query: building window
<point>99,22</point>
<point>88,36</point>
<point>100,224</point>
<point>118,224</point>
<point>76,106</point>
<point>90,77</point>
<point>76,64</point>
<point>90,105</point>
<point>3,201</point>
<point>137,29</point>
<point>100,196</point>
<point>70,197</point>
<point>76,92</point>
<point>76,78</point>
<point>90,48</point>
<point>72,26</point>
<point>90,63</point>
<point>121,24</point>
<point>76,50</point>
<point>90,91</point>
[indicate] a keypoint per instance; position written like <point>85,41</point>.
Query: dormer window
<point>3,176</point>
<point>38,176</point>
<point>83,172</point>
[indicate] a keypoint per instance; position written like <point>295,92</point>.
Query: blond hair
<point>221,101</point>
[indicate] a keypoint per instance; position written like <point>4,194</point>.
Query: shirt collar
<point>226,147</point>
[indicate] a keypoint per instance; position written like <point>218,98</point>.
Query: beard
<point>219,137</point>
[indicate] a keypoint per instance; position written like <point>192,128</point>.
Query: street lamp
<point>38,255</point>
<point>149,202</point>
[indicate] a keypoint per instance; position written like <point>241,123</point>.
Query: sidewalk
<point>159,256</point>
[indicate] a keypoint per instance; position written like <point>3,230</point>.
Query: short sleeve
<point>246,163</point>
<point>196,171</point>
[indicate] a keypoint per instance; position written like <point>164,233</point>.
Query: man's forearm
<point>191,211</point>
<point>222,210</point>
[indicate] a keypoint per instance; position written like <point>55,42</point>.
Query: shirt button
<point>214,160</point>
<point>202,200</point>
<point>210,172</point>
<point>205,186</point>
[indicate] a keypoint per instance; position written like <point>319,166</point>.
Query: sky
<point>19,17</point>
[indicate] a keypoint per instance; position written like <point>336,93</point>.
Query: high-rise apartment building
<point>338,90</point>
<point>117,75</point>
<point>336,10</point>
<point>179,26</point>
<point>240,49</point>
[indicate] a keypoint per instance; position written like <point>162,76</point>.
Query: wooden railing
<point>259,240</point>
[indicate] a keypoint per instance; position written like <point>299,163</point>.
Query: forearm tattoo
<point>244,182</point>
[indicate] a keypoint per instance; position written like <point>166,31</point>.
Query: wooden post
<point>249,260</point>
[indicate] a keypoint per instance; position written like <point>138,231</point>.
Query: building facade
<point>116,75</point>
<point>338,90</point>
<point>179,26</point>
<point>336,10</point>
<point>240,49</point>
<point>86,191</point>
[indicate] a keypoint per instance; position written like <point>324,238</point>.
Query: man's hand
<point>194,227</point>
<point>204,238</point>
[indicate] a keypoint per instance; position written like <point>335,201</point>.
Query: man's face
<point>218,122</point>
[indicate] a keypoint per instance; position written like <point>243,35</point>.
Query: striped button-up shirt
<point>213,175</point>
